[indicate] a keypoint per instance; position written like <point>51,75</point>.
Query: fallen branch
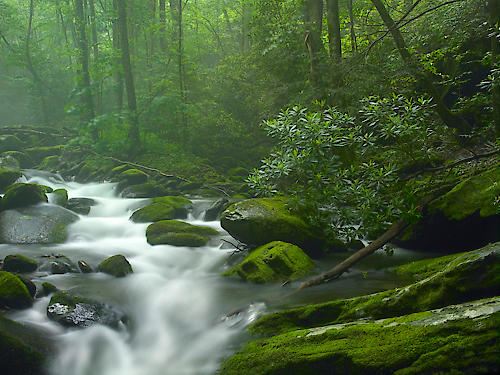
<point>465,160</point>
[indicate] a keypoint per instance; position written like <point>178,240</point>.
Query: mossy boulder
<point>75,311</point>
<point>263,220</point>
<point>178,233</point>
<point>24,159</point>
<point>275,261</point>
<point>50,163</point>
<point>40,153</point>
<point>117,266</point>
<point>10,142</point>
<point>35,224</point>
<point>22,195</point>
<point>121,168</point>
<point>215,210</point>
<point>440,282</point>
<point>458,339</point>
<point>163,208</point>
<point>132,177</point>
<point>19,263</point>
<point>7,178</point>
<point>146,190</point>
<point>465,218</point>
<point>59,197</point>
<point>80,205</point>
<point>13,292</point>
<point>9,162</point>
<point>57,264</point>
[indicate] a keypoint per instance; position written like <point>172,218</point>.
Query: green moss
<point>13,292</point>
<point>120,169</point>
<point>161,232</point>
<point>276,261</point>
<point>21,195</point>
<point>50,163</point>
<point>184,239</point>
<point>133,176</point>
<point>474,194</point>
<point>24,159</point>
<point>49,288</point>
<point>40,153</point>
<point>374,348</point>
<point>162,208</point>
<point>116,265</point>
<point>19,263</point>
<point>60,197</point>
<point>456,279</point>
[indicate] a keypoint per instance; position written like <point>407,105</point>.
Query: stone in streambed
<point>146,190</point>
<point>30,285</point>
<point>163,208</point>
<point>22,195</point>
<point>84,267</point>
<point>24,159</point>
<point>13,292</point>
<point>275,261</point>
<point>215,210</point>
<point>19,263</point>
<point>80,206</point>
<point>8,177</point>
<point>57,264</point>
<point>59,197</point>
<point>117,266</point>
<point>178,233</point>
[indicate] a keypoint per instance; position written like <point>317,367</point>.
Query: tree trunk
<point>425,79</point>
<point>245,27</point>
<point>95,48</point>
<point>333,20</point>
<point>312,39</point>
<point>354,43</point>
<point>180,67</point>
<point>83,78</point>
<point>117,61</point>
<point>163,21</point>
<point>133,133</point>
<point>494,23</point>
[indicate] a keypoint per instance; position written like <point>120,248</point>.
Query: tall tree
<point>494,24</point>
<point>333,20</point>
<point>312,39</point>
<point>133,133</point>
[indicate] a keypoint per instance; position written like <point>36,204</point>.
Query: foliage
<point>344,171</point>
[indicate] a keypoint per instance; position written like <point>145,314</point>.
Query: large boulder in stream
<point>80,205</point>
<point>465,218</point>
<point>8,177</point>
<point>117,266</point>
<point>263,220</point>
<point>19,263</point>
<point>35,224</point>
<point>146,190</point>
<point>10,163</point>
<point>21,195</point>
<point>75,311</point>
<point>178,233</point>
<point>13,292</point>
<point>163,208</point>
<point>276,261</point>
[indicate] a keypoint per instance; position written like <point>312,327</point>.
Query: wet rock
<point>59,197</point>
<point>163,208</point>
<point>276,261</point>
<point>30,285</point>
<point>216,209</point>
<point>132,177</point>
<point>24,159</point>
<point>75,311</point>
<point>146,190</point>
<point>35,224</point>
<point>80,205</point>
<point>8,177</point>
<point>10,163</point>
<point>50,163</point>
<point>57,264</point>
<point>19,263</point>
<point>456,339</point>
<point>48,288</point>
<point>263,220</point>
<point>464,218</point>
<point>13,292</point>
<point>22,195</point>
<point>178,233</point>
<point>84,267</point>
<point>40,153</point>
<point>117,266</point>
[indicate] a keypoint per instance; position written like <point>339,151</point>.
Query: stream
<point>175,300</point>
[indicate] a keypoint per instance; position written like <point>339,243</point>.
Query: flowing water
<point>175,300</point>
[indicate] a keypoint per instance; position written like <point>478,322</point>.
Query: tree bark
<point>133,133</point>
<point>354,43</point>
<point>163,21</point>
<point>333,20</point>
<point>83,76</point>
<point>117,60</point>
<point>312,39</point>
<point>180,68</point>
<point>494,24</point>
<point>245,27</point>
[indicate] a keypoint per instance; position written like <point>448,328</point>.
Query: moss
<point>116,265</point>
<point>58,233</point>
<point>19,263</point>
<point>162,208</point>
<point>133,177</point>
<point>13,293</point>
<point>49,288</point>
<point>120,169</point>
<point>24,159</point>
<point>50,163</point>
<point>146,190</point>
<point>8,177</point>
<point>376,348</point>
<point>40,153</point>
<point>21,195</point>
<point>456,279</point>
<point>60,197</point>
<point>184,239</point>
<point>161,232</point>
<point>276,261</point>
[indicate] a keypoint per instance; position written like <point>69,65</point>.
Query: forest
<point>249,187</point>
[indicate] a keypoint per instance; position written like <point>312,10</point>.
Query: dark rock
<point>10,163</point>
<point>49,288</point>
<point>22,195</point>
<point>40,153</point>
<point>8,177</point>
<point>50,163</point>
<point>178,233</point>
<point>59,197</point>
<point>30,285</point>
<point>146,190</point>
<point>163,208</point>
<point>13,292</point>
<point>117,266</point>
<point>75,311</point>
<point>35,224</point>
<point>80,205</point>
<point>216,209</point>
<point>19,263</point>
<point>10,143</point>
<point>57,264</point>
<point>84,267</point>
<point>24,159</point>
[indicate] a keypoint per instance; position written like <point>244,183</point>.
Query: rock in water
<point>163,208</point>
<point>178,233</point>
<point>19,263</point>
<point>216,209</point>
<point>80,205</point>
<point>75,311</point>
<point>117,266</point>
<point>35,224</point>
<point>276,261</point>
<point>13,292</point>
<point>8,177</point>
<point>22,195</point>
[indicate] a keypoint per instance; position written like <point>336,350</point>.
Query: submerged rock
<point>35,224</point>
<point>163,208</point>
<point>19,263</point>
<point>459,339</point>
<point>464,218</point>
<point>13,292</point>
<point>178,233</point>
<point>263,220</point>
<point>75,311</point>
<point>22,195</point>
<point>276,261</point>
<point>117,266</point>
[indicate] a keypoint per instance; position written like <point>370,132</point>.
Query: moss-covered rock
<point>40,153</point>
<point>80,205</point>
<point>178,233</point>
<point>146,190</point>
<point>30,285</point>
<point>19,263</point>
<point>10,142</point>
<point>459,339</point>
<point>9,162</point>
<point>57,264</point>
<point>7,178</point>
<point>263,220</point>
<point>24,159</point>
<point>59,197</point>
<point>50,163</point>
<point>13,292</point>
<point>121,168</point>
<point>117,266</point>
<point>215,210</point>
<point>48,288</point>
<point>132,177</point>
<point>22,195</point>
<point>275,261</point>
<point>465,218</point>
<point>76,311</point>
<point>163,208</point>
<point>442,281</point>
